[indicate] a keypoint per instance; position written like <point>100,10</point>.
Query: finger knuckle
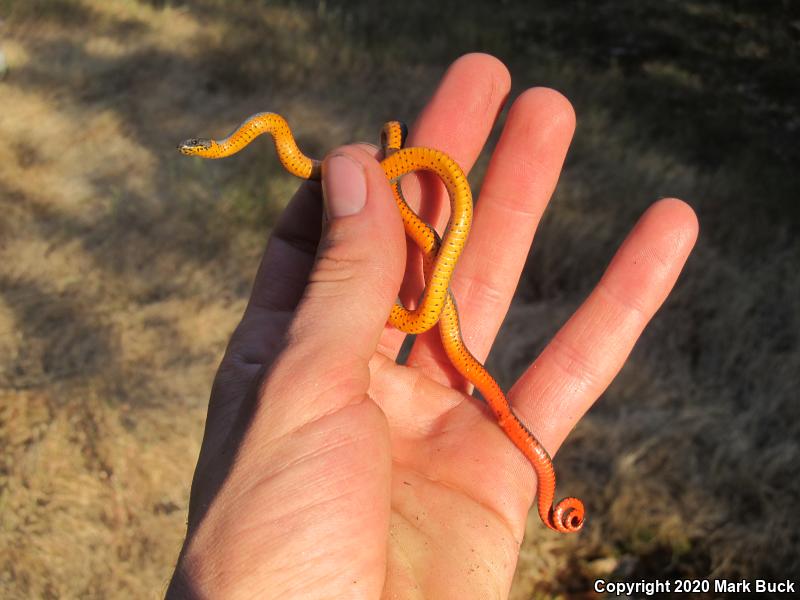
<point>337,264</point>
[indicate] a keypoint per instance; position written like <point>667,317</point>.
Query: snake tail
<point>567,516</point>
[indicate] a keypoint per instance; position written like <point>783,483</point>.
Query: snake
<point>440,256</point>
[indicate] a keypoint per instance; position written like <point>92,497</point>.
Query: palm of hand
<point>460,490</point>
<point>458,493</point>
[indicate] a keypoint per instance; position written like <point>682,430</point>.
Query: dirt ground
<point>124,267</point>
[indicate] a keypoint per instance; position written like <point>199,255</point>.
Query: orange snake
<point>437,304</point>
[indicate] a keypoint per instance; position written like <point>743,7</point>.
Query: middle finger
<point>520,179</point>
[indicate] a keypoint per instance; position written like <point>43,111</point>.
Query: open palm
<point>328,470</point>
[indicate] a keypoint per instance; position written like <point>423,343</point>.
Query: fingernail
<point>344,185</point>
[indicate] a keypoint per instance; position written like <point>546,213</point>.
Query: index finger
<point>457,120</point>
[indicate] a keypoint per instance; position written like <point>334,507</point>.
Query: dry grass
<point>123,268</point>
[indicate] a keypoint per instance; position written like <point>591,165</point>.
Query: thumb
<point>359,265</point>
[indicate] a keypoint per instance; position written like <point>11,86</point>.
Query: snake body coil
<point>440,256</point>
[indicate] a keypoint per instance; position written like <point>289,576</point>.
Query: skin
<point>329,471</point>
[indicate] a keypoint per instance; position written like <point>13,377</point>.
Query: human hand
<point>327,470</point>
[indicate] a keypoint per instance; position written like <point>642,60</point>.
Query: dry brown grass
<point>123,267</point>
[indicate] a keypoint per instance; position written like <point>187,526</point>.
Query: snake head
<point>195,147</point>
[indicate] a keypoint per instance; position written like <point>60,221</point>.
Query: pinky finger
<point>590,349</point>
